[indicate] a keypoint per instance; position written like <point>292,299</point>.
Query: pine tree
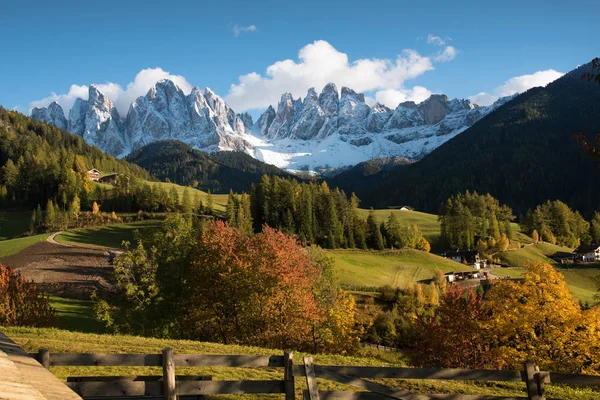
<point>595,228</point>
<point>244,216</point>
<point>209,203</point>
<point>535,236</point>
<point>33,222</point>
<point>231,209</point>
<point>39,218</point>
<point>173,199</point>
<point>374,237</point>
<point>186,202</point>
<point>74,208</point>
<point>50,219</point>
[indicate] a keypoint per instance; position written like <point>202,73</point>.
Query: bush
<point>22,303</point>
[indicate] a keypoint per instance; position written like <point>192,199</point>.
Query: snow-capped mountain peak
<point>330,129</point>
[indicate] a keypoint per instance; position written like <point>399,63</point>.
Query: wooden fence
<point>171,387</point>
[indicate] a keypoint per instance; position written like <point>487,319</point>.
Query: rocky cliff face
<point>323,130</point>
<point>53,114</point>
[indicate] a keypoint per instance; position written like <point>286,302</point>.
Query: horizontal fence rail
<point>171,387</point>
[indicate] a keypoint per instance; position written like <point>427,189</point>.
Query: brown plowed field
<point>61,270</point>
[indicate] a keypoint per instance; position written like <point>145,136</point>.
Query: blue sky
<point>49,47</point>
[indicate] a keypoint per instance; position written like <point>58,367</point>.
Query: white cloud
<point>517,84</point>
<point>445,55</point>
<point>435,40</point>
<point>448,54</point>
<point>393,97</point>
<point>237,30</point>
<point>320,63</point>
<point>121,98</point>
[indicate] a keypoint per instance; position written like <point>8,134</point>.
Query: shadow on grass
<point>76,315</point>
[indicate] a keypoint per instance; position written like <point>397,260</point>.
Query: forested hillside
<point>39,162</point>
<point>218,172</point>
<point>523,154</point>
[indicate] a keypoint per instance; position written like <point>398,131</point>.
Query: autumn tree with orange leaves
<point>219,284</point>
<point>536,320</point>
<point>22,303</point>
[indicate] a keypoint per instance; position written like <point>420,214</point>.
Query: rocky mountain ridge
<point>326,130</point>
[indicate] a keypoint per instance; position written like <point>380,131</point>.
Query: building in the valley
<point>587,253</point>
<point>468,257</point>
<point>93,174</point>
<point>402,208</point>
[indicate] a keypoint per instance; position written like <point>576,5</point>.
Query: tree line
<point>40,162</point>
<point>555,222</point>
<point>472,221</point>
<point>318,215</point>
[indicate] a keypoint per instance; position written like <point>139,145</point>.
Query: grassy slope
<point>13,246</point>
<point>581,282</point>
<point>428,223</point>
<point>107,236</point>
<point>31,339</point>
<point>219,200</point>
<point>536,252</point>
<point>398,268</point>
<point>76,315</point>
<point>14,223</point>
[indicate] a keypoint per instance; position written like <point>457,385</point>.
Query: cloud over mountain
<point>518,84</point>
<point>122,98</point>
<point>320,63</point>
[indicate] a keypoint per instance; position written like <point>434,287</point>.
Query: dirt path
<point>63,269</point>
<point>52,239</point>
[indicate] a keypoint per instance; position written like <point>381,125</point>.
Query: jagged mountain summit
<point>323,131</point>
<point>200,119</point>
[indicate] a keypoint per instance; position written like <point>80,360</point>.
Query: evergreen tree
<point>209,209</point>
<point>74,208</point>
<point>50,219</point>
<point>231,209</point>
<point>244,215</point>
<point>374,237</point>
<point>595,228</point>
<point>186,202</point>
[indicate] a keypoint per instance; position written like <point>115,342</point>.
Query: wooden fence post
<point>44,358</point>
<point>530,381</point>
<point>288,375</point>
<point>311,379</point>
<point>540,378</point>
<point>168,374</point>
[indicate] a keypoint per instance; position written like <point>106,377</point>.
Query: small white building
<point>468,257</point>
<point>588,253</point>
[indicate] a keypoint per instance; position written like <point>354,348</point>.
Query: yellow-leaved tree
<point>539,320</point>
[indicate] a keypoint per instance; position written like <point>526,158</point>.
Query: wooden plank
<point>117,388</point>
<point>168,374</point>
<point>23,374</point>
<point>571,379</point>
<point>229,387</point>
<point>331,395</point>
<point>143,378</point>
<point>418,373</point>
<point>382,390</point>
<point>311,379</point>
<point>105,360</point>
<point>213,360</point>
<point>288,375</point>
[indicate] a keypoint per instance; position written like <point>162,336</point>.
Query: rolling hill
<point>523,153</point>
<point>219,172</point>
